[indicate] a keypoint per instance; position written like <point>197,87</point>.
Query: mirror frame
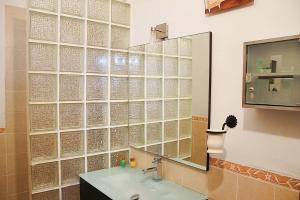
<point>187,163</point>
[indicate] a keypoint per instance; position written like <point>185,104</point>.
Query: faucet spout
<point>155,176</point>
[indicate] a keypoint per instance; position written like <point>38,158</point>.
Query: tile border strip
<point>262,175</point>
<point>200,118</point>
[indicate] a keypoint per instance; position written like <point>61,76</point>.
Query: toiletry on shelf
<point>123,163</point>
<point>132,162</point>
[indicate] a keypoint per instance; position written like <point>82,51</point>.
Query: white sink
<point>123,183</point>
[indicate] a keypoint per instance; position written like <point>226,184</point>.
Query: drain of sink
<point>135,197</point>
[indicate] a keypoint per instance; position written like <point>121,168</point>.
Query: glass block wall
<point>78,91</point>
<point>160,103</point>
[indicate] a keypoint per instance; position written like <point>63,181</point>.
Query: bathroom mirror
<point>169,98</point>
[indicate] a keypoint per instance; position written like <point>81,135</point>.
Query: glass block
<point>98,9</point>
<point>97,162</point>
<point>50,5</point>
<point>171,47</point>
<point>136,88</point>
<point>171,88</point>
<point>154,133</point>
<point>118,113</point>
<point>43,117</point>
<point>71,30</point>
<point>42,57</point>
<point>170,149</point>
<point>71,88</point>
<point>136,64</point>
<point>71,116</point>
<point>96,114</point>
<point>71,144</point>
<point>186,68</point>
<point>73,7</point>
<point>120,12</point>
<point>170,130</point>
<point>97,61</point>
<point>185,148</point>
<point>154,88</point>
<point>136,112</point>
<point>185,128</point>
<point>185,88</point>
<point>185,108</point>
<point>154,111</point>
<point>42,87</point>
<point>71,192</point>
<point>119,63</point>
<point>96,88</point>
<point>44,176</point>
<point>137,135</point>
<point>43,26</point>
<point>119,37</point>
<point>154,66</point>
<point>118,156</point>
<point>70,169</point>
<point>171,109</point>
<point>156,149</point>
<point>48,195</point>
<point>119,88</point>
<point>71,59</point>
<point>97,34</point>
<point>97,140</point>
<point>139,48</point>
<point>186,47</point>
<point>155,47</point>
<point>171,66</point>
<point>43,147</point>
<point>119,138</point>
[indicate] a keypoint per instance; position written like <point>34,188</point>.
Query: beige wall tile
<point>3,187</point>
<point>16,122</point>
<point>282,193</point>
<point>172,172</point>
<point>222,184</point>
<point>3,165</point>
<point>16,144</point>
<point>18,164</point>
<point>2,144</point>
<point>17,184</point>
<point>15,101</point>
<point>251,189</point>
<point>21,196</point>
<point>195,180</point>
<point>15,80</point>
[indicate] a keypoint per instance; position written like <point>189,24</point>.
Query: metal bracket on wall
<point>161,31</point>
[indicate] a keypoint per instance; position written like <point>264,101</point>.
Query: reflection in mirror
<point>169,98</point>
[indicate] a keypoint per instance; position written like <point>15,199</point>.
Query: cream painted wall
<point>2,72</point>
<point>264,138</point>
<point>20,3</point>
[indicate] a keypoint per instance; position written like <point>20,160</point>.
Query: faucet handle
<point>157,159</point>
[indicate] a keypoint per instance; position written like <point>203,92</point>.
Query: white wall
<point>264,138</point>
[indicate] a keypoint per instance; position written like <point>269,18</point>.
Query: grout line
<point>237,187</point>
<point>58,96</point>
<point>109,85</point>
<point>85,89</point>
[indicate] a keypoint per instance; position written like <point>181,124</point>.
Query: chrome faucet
<point>155,176</point>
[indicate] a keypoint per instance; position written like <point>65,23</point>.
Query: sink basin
<point>124,183</point>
